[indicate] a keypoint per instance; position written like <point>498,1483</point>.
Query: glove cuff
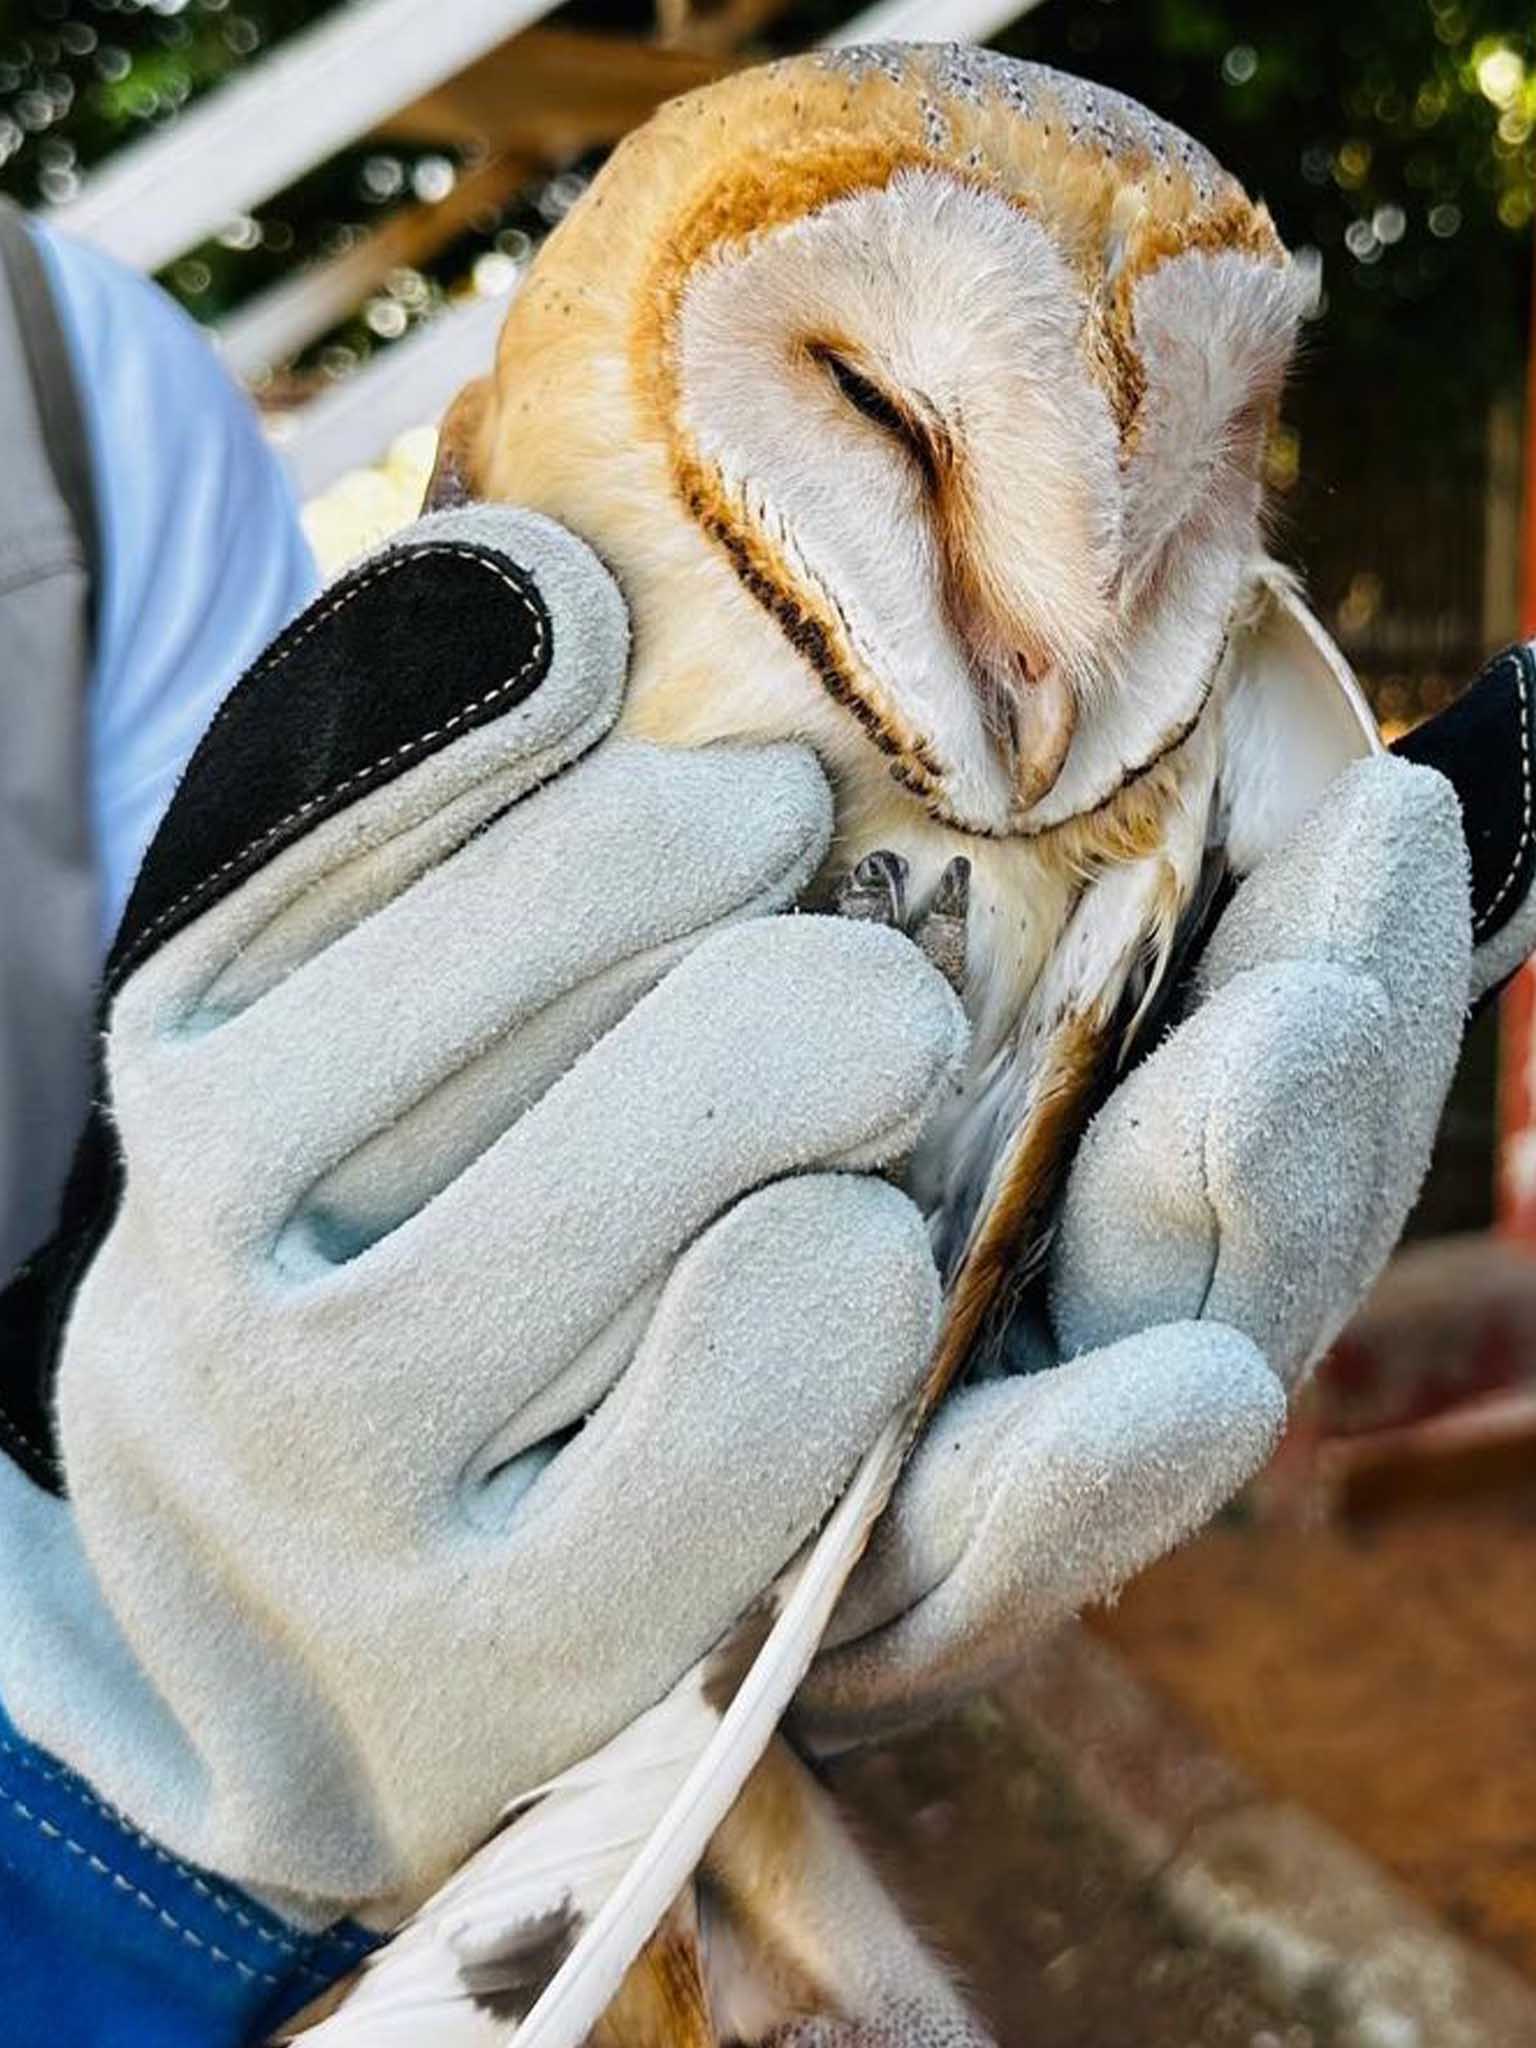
<point>100,1919</point>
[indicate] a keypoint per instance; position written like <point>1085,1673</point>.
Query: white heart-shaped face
<point>897,398</point>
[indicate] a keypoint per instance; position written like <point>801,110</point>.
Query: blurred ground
<point>1060,1941</point>
<point>1380,1673</point>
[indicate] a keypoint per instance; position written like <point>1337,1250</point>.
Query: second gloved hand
<point>1230,1205</point>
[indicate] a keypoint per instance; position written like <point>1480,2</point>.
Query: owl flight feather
<point>918,399</point>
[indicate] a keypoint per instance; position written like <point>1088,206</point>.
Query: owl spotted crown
<point>1093,115</point>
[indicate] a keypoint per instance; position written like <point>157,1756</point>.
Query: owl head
<point>918,399</point>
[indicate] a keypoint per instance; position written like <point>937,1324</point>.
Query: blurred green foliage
<point>80,78</point>
<point>1397,138</point>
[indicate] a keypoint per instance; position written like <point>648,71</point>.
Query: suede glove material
<point>1230,1205</point>
<point>495,1295</point>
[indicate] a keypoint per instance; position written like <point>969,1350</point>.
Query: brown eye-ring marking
<point>970,603</point>
<point>912,762</point>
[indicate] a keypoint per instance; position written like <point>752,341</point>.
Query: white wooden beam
<point>407,385</point>
<point>312,95</point>
<point>930,21</point>
<point>276,324</point>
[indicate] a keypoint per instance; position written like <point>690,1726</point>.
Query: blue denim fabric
<point>106,1941</point>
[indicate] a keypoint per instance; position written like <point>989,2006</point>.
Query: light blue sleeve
<point>201,554</point>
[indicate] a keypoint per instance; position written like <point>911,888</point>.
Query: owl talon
<point>952,898</point>
<point>876,890</point>
<point>940,931</point>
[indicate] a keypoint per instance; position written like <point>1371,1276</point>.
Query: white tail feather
<point>608,1845</point>
<point>508,1912</point>
<point>581,1990</point>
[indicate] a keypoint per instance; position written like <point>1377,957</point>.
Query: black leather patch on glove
<point>401,657</point>
<point>1483,745</point>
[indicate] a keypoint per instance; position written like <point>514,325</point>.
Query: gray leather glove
<point>1230,1205</point>
<point>483,1296</point>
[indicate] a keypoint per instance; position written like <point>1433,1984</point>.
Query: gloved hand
<point>1230,1206</point>
<point>477,1294</point>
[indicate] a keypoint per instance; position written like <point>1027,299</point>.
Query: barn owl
<point>918,400</point>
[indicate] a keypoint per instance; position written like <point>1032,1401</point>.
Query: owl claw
<point>952,898</point>
<point>940,931</point>
<point>876,890</point>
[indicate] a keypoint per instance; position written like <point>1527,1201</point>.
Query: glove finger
<point>429,688</point>
<point>1026,1501</point>
<point>783,1339</point>
<point>1375,882</point>
<point>780,1046</point>
<point>780,1345</point>
<point>1260,1166</point>
<point>412,1030</point>
<point>1240,1172</point>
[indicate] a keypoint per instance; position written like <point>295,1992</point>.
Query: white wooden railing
<point>353,73</point>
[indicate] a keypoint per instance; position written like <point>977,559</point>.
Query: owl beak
<point>1043,719</point>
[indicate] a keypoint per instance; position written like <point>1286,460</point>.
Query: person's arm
<point>200,556</point>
